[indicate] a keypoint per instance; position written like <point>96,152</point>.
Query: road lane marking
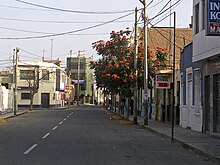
<point>30,149</point>
<point>54,128</point>
<point>68,116</point>
<point>64,119</point>
<point>61,123</point>
<point>46,135</point>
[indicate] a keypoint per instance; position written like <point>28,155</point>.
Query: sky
<point>28,24</point>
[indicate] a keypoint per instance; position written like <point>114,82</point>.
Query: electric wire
<point>72,11</point>
<point>68,32</point>
<point>58,22</point>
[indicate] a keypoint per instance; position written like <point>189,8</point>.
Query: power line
<point>161,19</point>
<point>36,32</point>
<point>73,11</point>
<point>69,32</point>
<point>22,8</point>
<point>58,22</point>
<point>162,12</point>
<point>29,52</point>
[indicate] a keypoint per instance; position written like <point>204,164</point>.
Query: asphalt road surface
<point>85,135</point>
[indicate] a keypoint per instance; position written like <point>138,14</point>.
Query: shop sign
<point>162,81</point>
<point>213,17</point>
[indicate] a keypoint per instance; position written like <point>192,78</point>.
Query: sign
<point>162,81</point>
<point>80,81</point>
<point>69,88</point>
<point>213,17</point>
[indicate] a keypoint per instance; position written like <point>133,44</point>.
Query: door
<point>207,104</point>
<point>45,100</point>
<point>189,103</point>
<point>216,103</point>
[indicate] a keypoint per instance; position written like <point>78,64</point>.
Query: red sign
<point>162,81</point>
<point>69,88</point>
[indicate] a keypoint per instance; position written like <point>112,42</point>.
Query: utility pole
<point>145,65</point>
<point>135,67</point>
<point>69,88</point>
<point>51,50</point>
<point>174,66</point>
<point>15,61</point>
<point>78,78</point>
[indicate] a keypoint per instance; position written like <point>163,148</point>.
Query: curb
<point>12,116</point>
<point>185,145</point>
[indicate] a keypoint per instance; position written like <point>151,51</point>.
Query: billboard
<point>213,17</point>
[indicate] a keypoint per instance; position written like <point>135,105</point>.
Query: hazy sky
<point>21,20</point>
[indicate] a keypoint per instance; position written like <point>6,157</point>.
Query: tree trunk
<point>127,107</point>
<point>31,102</point>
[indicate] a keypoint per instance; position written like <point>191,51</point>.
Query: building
<point>48,79</point>
<point>83,78</point>
<point>6,91</point>
<point>203,83</point>
<point>190,91</point>
<point>161,99</point>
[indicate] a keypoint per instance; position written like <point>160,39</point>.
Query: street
<point>85,135</point>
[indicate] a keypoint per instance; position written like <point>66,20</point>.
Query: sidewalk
<point>200,143</point>
<point>23,111</point>
<point>11,114</point>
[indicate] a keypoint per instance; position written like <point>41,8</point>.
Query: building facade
<point>191,84</point>
<point>47,78</point>
<point>82,77</point>
<point>206,49</point>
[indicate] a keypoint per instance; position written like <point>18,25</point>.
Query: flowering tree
<point>115,71</point>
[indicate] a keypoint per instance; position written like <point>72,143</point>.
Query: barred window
<point>27,74</point>
<point>25,96</point>
<point>45,74</point>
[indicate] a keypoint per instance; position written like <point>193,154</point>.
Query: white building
<point>50,81</point>
<point>203,95</point>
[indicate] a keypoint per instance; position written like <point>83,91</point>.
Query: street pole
<point>15,61</point>
<point>145,66</point>
<point>174,64</point>
<point>135,67</point>
<point>78,77</point>
<point>69,88</point>
<point>51,50</point>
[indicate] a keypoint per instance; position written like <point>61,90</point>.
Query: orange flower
<point>121,62</point>
<point>158,63</point>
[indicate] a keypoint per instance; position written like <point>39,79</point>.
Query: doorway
<point>45,100</point>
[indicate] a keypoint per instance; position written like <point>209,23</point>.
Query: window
<point>25,96</point>
<point>196,18</point>
<point>27,75</point>
<point>189,78</point>
<point>203,14</point>
<point>45,74</point>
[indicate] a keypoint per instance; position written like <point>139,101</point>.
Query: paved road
<point>85,136</point>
